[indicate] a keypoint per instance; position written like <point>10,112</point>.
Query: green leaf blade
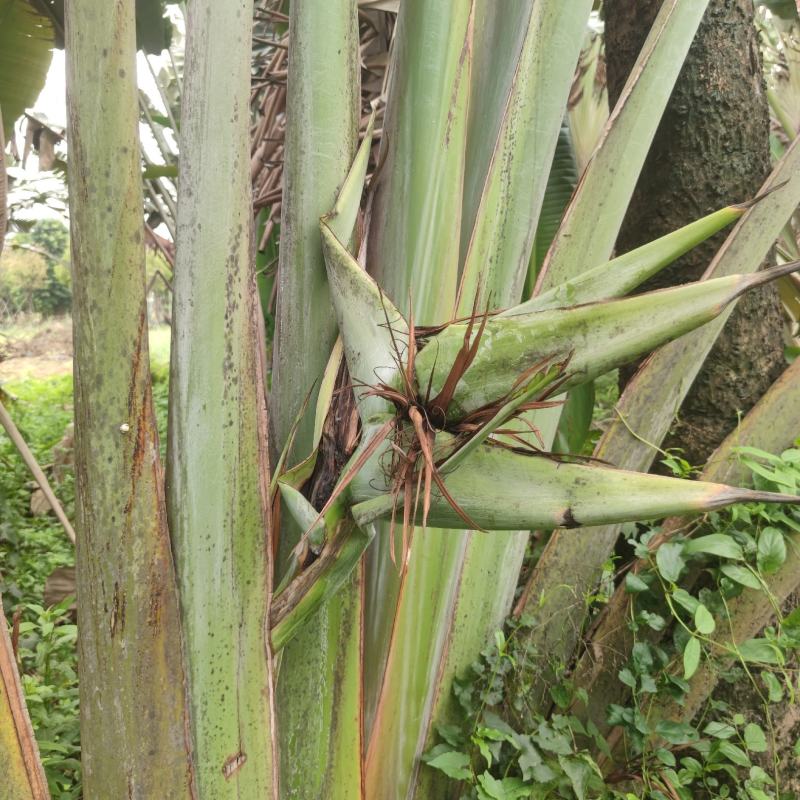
<point>26,42</point>
<point>716,544</point>
<point>771,550</point>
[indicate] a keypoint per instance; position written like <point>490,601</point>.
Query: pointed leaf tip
<point>770,274</point>
<point>751,496</point>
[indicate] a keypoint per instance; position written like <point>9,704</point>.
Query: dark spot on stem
<point>568,520</point>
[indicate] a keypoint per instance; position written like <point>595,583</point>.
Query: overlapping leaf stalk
<point>436,404</point>
<point>23,776</point>
<point>217,471</point>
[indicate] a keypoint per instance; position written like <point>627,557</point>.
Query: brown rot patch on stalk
<point>301,549</point>
<point>466,51</point>
<point>139,412</point>
<point>117,611</point>
<point>341,432</point>
<point>154,603</point>
<point>233,764</point>
<point>340,435</point>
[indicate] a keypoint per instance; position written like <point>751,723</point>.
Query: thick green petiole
<point>504,490</point>
<point>596,337</point>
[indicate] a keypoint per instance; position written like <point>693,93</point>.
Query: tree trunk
<point>711,149</point>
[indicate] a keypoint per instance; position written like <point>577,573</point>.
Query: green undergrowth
<point>31,548</point>
<point>501,749</point>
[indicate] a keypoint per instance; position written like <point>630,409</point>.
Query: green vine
<point>681,624</point>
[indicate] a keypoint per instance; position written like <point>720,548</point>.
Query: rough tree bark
<point>711,149</point>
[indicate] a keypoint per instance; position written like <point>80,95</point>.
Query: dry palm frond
<point>268,95</point>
